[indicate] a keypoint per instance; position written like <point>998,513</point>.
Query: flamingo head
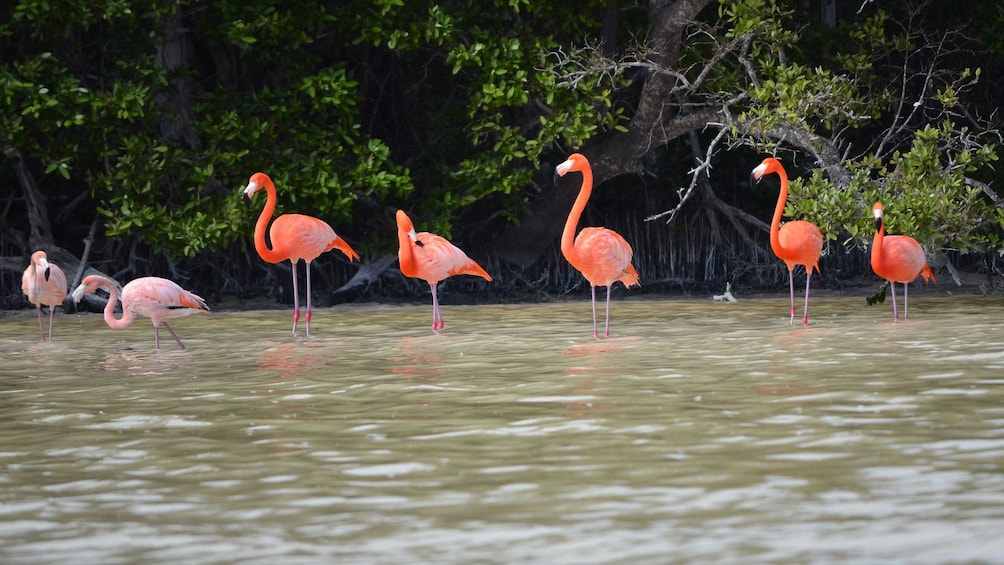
<point>40,259</point>
<point>256,183</point>
<point>575,162</point>
<point>878,211</point>
<point>766,167</point>
<point>87,286</point>
<point>405,226</point>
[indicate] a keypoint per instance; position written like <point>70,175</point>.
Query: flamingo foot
<point>792,321</point>
<point>307,320</point>
<point>805,320</point>
<point>296,318</point>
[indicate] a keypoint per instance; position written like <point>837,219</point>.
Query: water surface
<point>701,432</point>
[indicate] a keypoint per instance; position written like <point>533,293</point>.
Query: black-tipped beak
<point>556,176</point>
<point>47,269</point>
<point>247,200</point>
<point>419,243</point>
<point>754,179</point>
<point>878,223</point>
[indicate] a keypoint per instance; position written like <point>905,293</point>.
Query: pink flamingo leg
<point>805,310</point>
<point>906,294</point>
<point>51,310</point>
<point>174,335</point>
<point>895,313</point>
<point>296,300</point>
<point>41,330</point>
<point>606,332</point>
<point>791,292</point>
<point>437,316</point>
<point>309,307</point>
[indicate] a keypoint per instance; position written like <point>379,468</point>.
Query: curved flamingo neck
<point>405,254</point>
<point>775,223</point>
<point>572,223</point>
<point>877,243</point>
<point>262,225</point>
<point>113,297</point>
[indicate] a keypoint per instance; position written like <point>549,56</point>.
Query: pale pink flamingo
<point>897,258</point>
<point>156,298</point>
<point>602,255</point>
<point>43,283</point>
<point>797,242</point>
<point>427,256</point>
<point>294,237</point>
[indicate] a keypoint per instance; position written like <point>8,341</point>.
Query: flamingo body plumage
<point>796,242</point>
<point>294,237</point>
<point>43,283</point>
<point>153,297</point>
<point>427,256</point>
<point>602,255</point>
<point>897,259</point>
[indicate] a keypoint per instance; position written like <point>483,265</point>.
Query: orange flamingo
<point>427,256</point>
<point>797,242</point>
<point>897,258</point>
<point>43,283</point>
<point>294,237</point>
<point>602,255</point>
<point>156,298</point>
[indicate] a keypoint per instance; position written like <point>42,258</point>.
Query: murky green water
<point>702,433</point>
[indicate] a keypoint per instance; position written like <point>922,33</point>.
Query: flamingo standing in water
<point>897,258</point>
<point>43,283</point>
<point>427,256</point>
<point>602,255</point>
<point>797,242</point>
<point>294,237</point>
<point>156,298</point>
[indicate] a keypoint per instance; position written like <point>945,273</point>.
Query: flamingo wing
<point>159,298</point>
<point>297,236</point>
<point>604,256</point>
<point>902,259</point>
<point>437,258</point>
<point>801,244</point>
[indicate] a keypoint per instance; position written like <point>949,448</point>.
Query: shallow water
<point>701,432</point>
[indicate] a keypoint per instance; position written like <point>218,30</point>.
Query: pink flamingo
<point>294,237</point>
<point>602,255</point>
<point>797,242</point>
<point>897,258</point>
<point>427,256</point>
<point>43,283</point>
<point>156,298</point>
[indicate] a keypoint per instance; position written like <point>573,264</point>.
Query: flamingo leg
<point>296,299</point>
<point>51,311</point>
<point>895,313</point>
<point>437,315</point>
<point>606,331</point>
<point>41,332</point>
<point>174,335</point>
<point>156,335</point>
<point>593,290</point>
<point>308,298</point>
<point>805,309</point>
<point>906,294</point>
<point>791,291</point>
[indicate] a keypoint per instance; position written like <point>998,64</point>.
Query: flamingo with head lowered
<point>797,242</point>
<point>602,255</point>
<point>294,237</point>
<point>897,259</point>
<point>429,257</point>
<point>156,298</point>
<point>43,283</point>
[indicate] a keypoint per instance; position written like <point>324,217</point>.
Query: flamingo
<point>427,256</point>
<point>897,258</point>
<point>602,255</point>
<point>797,242</point>
<point>156,298</point>
<point>294,237</point>
<point>43,283</point>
